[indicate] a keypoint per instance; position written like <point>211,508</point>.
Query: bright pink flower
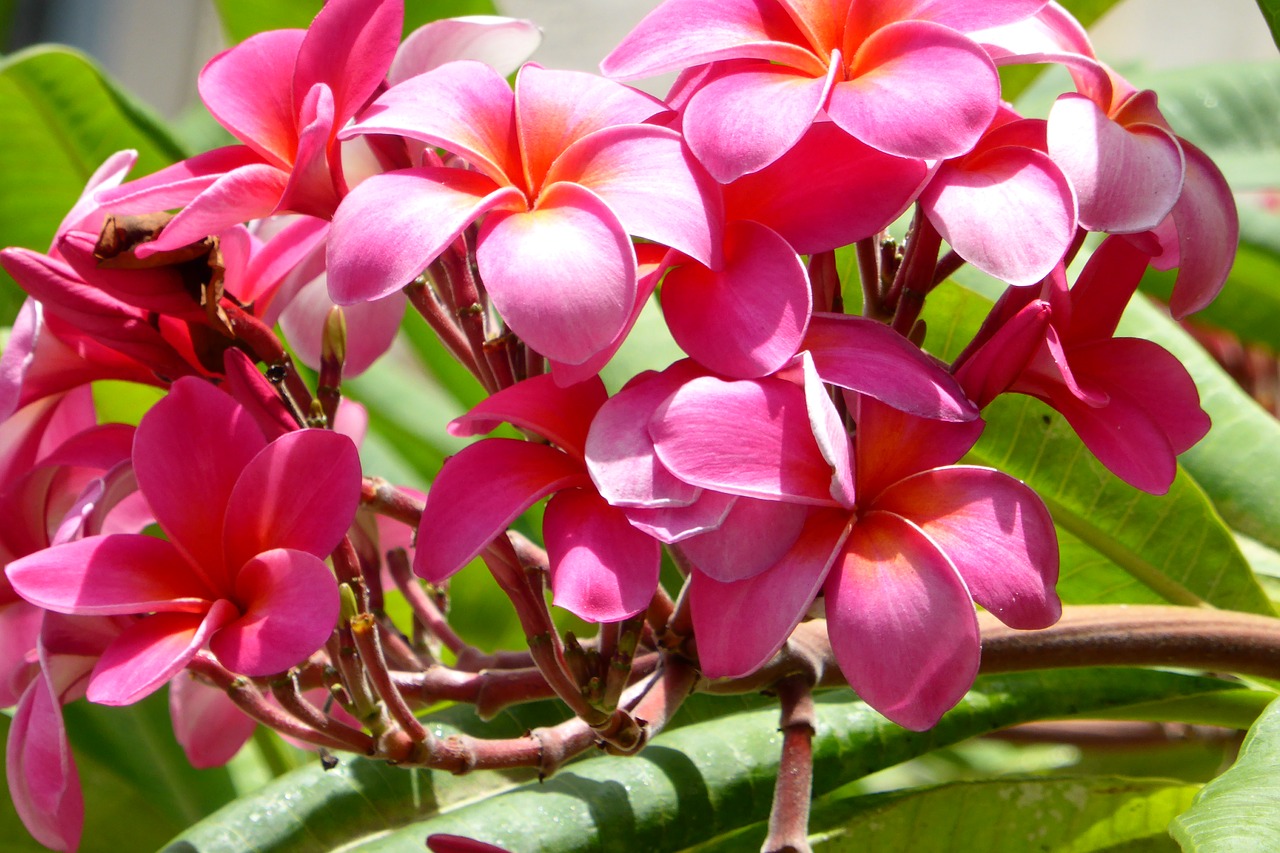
<point>285,94</point>
<point>1005,207</point>
<point>563,171</point>
<point>1131,402</point>
<point>249,525</point>
<point>602,568</point>
<point>747,317</point>
<point>899,540</point>
<point>900,76</point>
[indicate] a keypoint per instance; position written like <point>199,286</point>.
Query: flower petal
<point>753,536</point>
<point>41,772</point>
<point>502,43</point>
<point>602,568</point>
<point>559,413</point>
<point>300,492</point>
<point>746,319</point>
<point>208,725</point>
<point>902,625</point>
<point>249,90</point>
<point>996,532</point>
<point>1208,231</point>
<point>479,492</point>
<point>348,48</point>
<point>739,626</point>
<point>288,607</point>
<point>562,275</point>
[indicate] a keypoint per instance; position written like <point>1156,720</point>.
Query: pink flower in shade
<point>899,541</point>
<point>563,171</point>
<point>249,525</point>
<point>602,569</point>
<point>1130,172</point>
<point>900,76</point>
<point>441,843</point>
<point>1131,402</point>
<point>747,317</point>
<point>284,94</point>
<point>1005,207</point>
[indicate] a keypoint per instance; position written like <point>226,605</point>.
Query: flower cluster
<point>803,461</point>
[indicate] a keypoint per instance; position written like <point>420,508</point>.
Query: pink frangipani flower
<point>249,525</point>
<point>563,171</point>
<point>900,76</point>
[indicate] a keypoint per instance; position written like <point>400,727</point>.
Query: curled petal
<point>996,532</point>
<point>300,492</point>
<point>347,49</point>
<point>288,607</point>
<point>671,524</point>
<point>902,625</point>
<point>562,275</point>
<point>602,568</point>
<point>918,89</point>
<point>559,413</point>
<point>41,772</point>
<point>1208,231</point>
<point>249,192</point>
<point>479,492</point>
<point>390,227</point>
<point>740,625</point>
<point>502,43</point>
<point>152,651</point>
<point>746,319</point>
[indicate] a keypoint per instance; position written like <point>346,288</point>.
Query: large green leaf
<point>691,784</point>
<point>243,18</point>
<point>62,118</point>
<point>1176,544</point>
<point>1239,812</point>
<point>1271,11</point>
<point>1067,815</point>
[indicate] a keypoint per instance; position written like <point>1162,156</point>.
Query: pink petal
<point>918,89</point>
<point>753,536</point>
<point>41,771</point>
<point>902,625</point>
<point>1010,212</point>
<point>648,178</point>
<point>746,437</point>
<point>348,48</point>
<point>563,275</point>
<point>746,319</point>
<point>292,246</point>
<point>152,651</point>
<point>389,228</point>
<point>371,327</point>
<point>868,357</point>
<point>996,532</point>
<point>751,115</point>
<point>249,90</point>
<point>502,43</point>
<point>892,445</point>
<point>1126,178</point>
<point>479,492</point>
<point>312,188</point>
<point>249,192</point>
<point>861,192</point>
<point>176,185</point>
<point>683,33</point>
<point>300,492</point>
<point>602,568</point>
<point>1103,289</point>
<point>962,15</point>
<point>288,607</point>
<point>619,450</point>
<point>1208,231</point>
<point>559,413</point>
<point>161,290</point>
<point>995,365</point>
<point>118,574</point>
<point>19,632</point>
<point>831,433</point>
<point>189,450</point>
<point>555,109</point>
<point>739,626</point>
<point>671,524</point>
<point>464,107</point>
<point>208,725</point>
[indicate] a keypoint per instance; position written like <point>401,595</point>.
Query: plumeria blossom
<point>249,524</point>
<point>900,76</point>
<point>602,568</point>
<point>1005,207</point>
<point>563,170</point>
<point>1131,402</point>
<point>1130,171</point>
<point>899,540</point>
<point>284,94</point>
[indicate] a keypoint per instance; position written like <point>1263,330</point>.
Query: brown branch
<point>789,816</point>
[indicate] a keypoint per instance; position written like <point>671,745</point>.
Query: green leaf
<point>1069,815</point>
<point>1271,11</point>
<point>62,118</point>
<point>691,784</point>
<point>1175,544</point>
<point>1239,812</point>
<point>243,18</point>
